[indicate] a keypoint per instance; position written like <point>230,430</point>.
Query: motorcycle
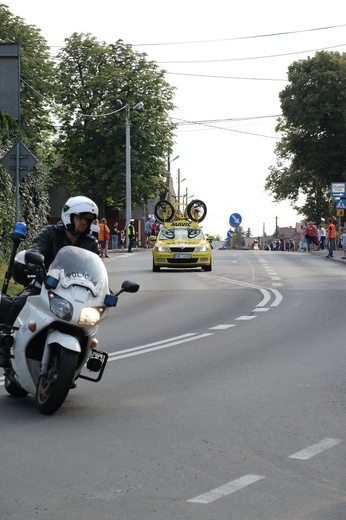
<point>53,339</point>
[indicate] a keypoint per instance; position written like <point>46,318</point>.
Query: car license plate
<point>182,256</point>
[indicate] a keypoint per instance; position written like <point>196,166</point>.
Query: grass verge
<point>13,288</point>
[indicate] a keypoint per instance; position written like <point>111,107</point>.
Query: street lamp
<point>179,183</point>
<point>170,161</point>
<point>128,109</point>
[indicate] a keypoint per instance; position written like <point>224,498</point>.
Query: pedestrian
<point>130,235</point>
<point>153,227</point>
<point>147,231</point>
<point>343,243</point>
<point>77,216</point>
<point>95,228</point>
<point>322,237</point>
<point>331,237</point>
<point>107,238</point>
<point>310,235</point>
<point>115,237</point>
<point>122,238</point>
<point>103,238</point>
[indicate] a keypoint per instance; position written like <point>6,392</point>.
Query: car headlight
<point>202,249</point>
<point>60,307</point>
<point>90,315</point>
<point>162,249</point>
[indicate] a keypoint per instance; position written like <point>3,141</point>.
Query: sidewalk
<point>336,255</point>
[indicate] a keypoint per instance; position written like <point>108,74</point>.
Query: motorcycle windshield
<point>78,266</point>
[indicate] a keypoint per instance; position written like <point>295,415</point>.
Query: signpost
<point>235,220</point>
<point>18,162</point>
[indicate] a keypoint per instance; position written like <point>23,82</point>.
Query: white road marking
<point>278,298</point>
<point>226,489</point>
<point>266,298</point>
<point>244,318</point>
<point>315,449</point>
<point>263,309</point>
<point>265,291</point>
<point>144,349</point>
<point>222,327</point>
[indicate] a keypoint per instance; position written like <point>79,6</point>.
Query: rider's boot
<point>4,357</point>
<point>6,342</point>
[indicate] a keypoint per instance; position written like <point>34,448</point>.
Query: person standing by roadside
<point>310,235</point>
<point>331,237</point>
<point>322,233</point>
<point>107,238</point>
<point>95,228</point>
<point>147,230</point>
<point>343,243</point>
<point>103,237</point>
<point>130,235</point>
<point>122,239</point>
<point>115,238</point>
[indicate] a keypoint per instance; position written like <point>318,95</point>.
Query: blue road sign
<point>235,220</point>
<point>340,204</point>
<point>338,189</point>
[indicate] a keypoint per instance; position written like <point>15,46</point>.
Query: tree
<point>96,81</point>
<point>312,150</point>
<point>36,87</point>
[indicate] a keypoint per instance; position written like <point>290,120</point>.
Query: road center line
<point>146,348</point>
<point>315,449</point>
<point>227,489</point>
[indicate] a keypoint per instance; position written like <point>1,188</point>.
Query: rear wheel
<point>164,211</point>
<point>53,387</point>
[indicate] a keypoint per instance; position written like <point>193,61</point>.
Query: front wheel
<point>207,268</point>
<point>53,387</point>
<point>156,268</point>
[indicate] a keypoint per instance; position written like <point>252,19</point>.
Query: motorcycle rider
<point>74,229</point>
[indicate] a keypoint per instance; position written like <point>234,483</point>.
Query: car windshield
<point>181,234</point>
<point>78,266</point>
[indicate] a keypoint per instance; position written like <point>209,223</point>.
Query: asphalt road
<point>224,398</point>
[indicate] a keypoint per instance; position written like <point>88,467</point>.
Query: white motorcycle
<point>54,336</point>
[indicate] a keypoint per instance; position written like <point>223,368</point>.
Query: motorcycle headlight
<point>90,315</point>
<point>60,307</point>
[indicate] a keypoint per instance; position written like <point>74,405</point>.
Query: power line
<point>254,57</point>
<point>224,128</point>
<point>269,35</point>
<point>223,77</point>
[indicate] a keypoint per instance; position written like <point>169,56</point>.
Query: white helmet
<point>79,205</point>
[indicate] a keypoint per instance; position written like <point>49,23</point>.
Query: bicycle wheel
<point>196,210</point>
<point>164,211</point>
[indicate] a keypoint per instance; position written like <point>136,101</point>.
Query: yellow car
<point>182,244</point>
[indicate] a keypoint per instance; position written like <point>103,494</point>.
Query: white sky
<point>225,166</point>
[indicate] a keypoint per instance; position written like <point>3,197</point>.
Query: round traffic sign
<point>235,220</point>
